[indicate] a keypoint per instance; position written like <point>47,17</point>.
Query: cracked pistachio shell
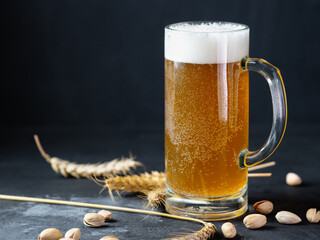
<point>313,215</point>
<point>73,233</point>
<point>264,207</point>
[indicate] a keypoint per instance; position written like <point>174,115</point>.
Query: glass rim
<point>170,26</point>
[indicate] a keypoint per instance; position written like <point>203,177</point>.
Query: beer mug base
<point>210,209</point>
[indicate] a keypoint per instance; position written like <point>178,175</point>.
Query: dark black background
<point>87,63</point>
<point>87,76</point>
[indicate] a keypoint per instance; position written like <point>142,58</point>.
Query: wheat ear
<point>136,183</point>
<point>106,169</point>
<point>151,185</point>
<point>155,197</point>
<point>205,233</point>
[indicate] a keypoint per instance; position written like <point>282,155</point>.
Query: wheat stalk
<point>261,166</point>
<point>106,169</point>
<point>205,233</point>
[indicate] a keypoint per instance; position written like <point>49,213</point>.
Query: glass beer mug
<point>207,118</point>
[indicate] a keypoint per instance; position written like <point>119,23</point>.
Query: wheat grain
<point>106,169</point>
<point>151,185</point>
<point>136,183</point>
<point>205,233</point>
<point>155,197</point>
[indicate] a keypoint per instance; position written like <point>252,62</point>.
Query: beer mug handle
<point>279,108</point>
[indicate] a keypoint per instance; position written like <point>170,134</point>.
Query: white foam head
<point>206,42</point>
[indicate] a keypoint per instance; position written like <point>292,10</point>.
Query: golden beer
<point>207,118</point>
<point>206,127</point>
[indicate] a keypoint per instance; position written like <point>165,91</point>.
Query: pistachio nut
<point>264,207</point>
<point>313,216</point>
<point>50,234</point>
<point>93,220</point>
<point>106,214</point>
<point>109,238</point>
<point>286,217</point>
<point>293,179</point>
<point>73,233</point>
<point>254,221</point>
<point>228,230</point>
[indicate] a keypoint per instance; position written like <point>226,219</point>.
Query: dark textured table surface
<point>25,173</point>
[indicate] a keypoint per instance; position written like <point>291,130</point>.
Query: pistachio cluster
<point>258,220</point>
<point>55,234</point>
<point>90,220</point>
<point>93,220</point>
<point>97,219</point>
